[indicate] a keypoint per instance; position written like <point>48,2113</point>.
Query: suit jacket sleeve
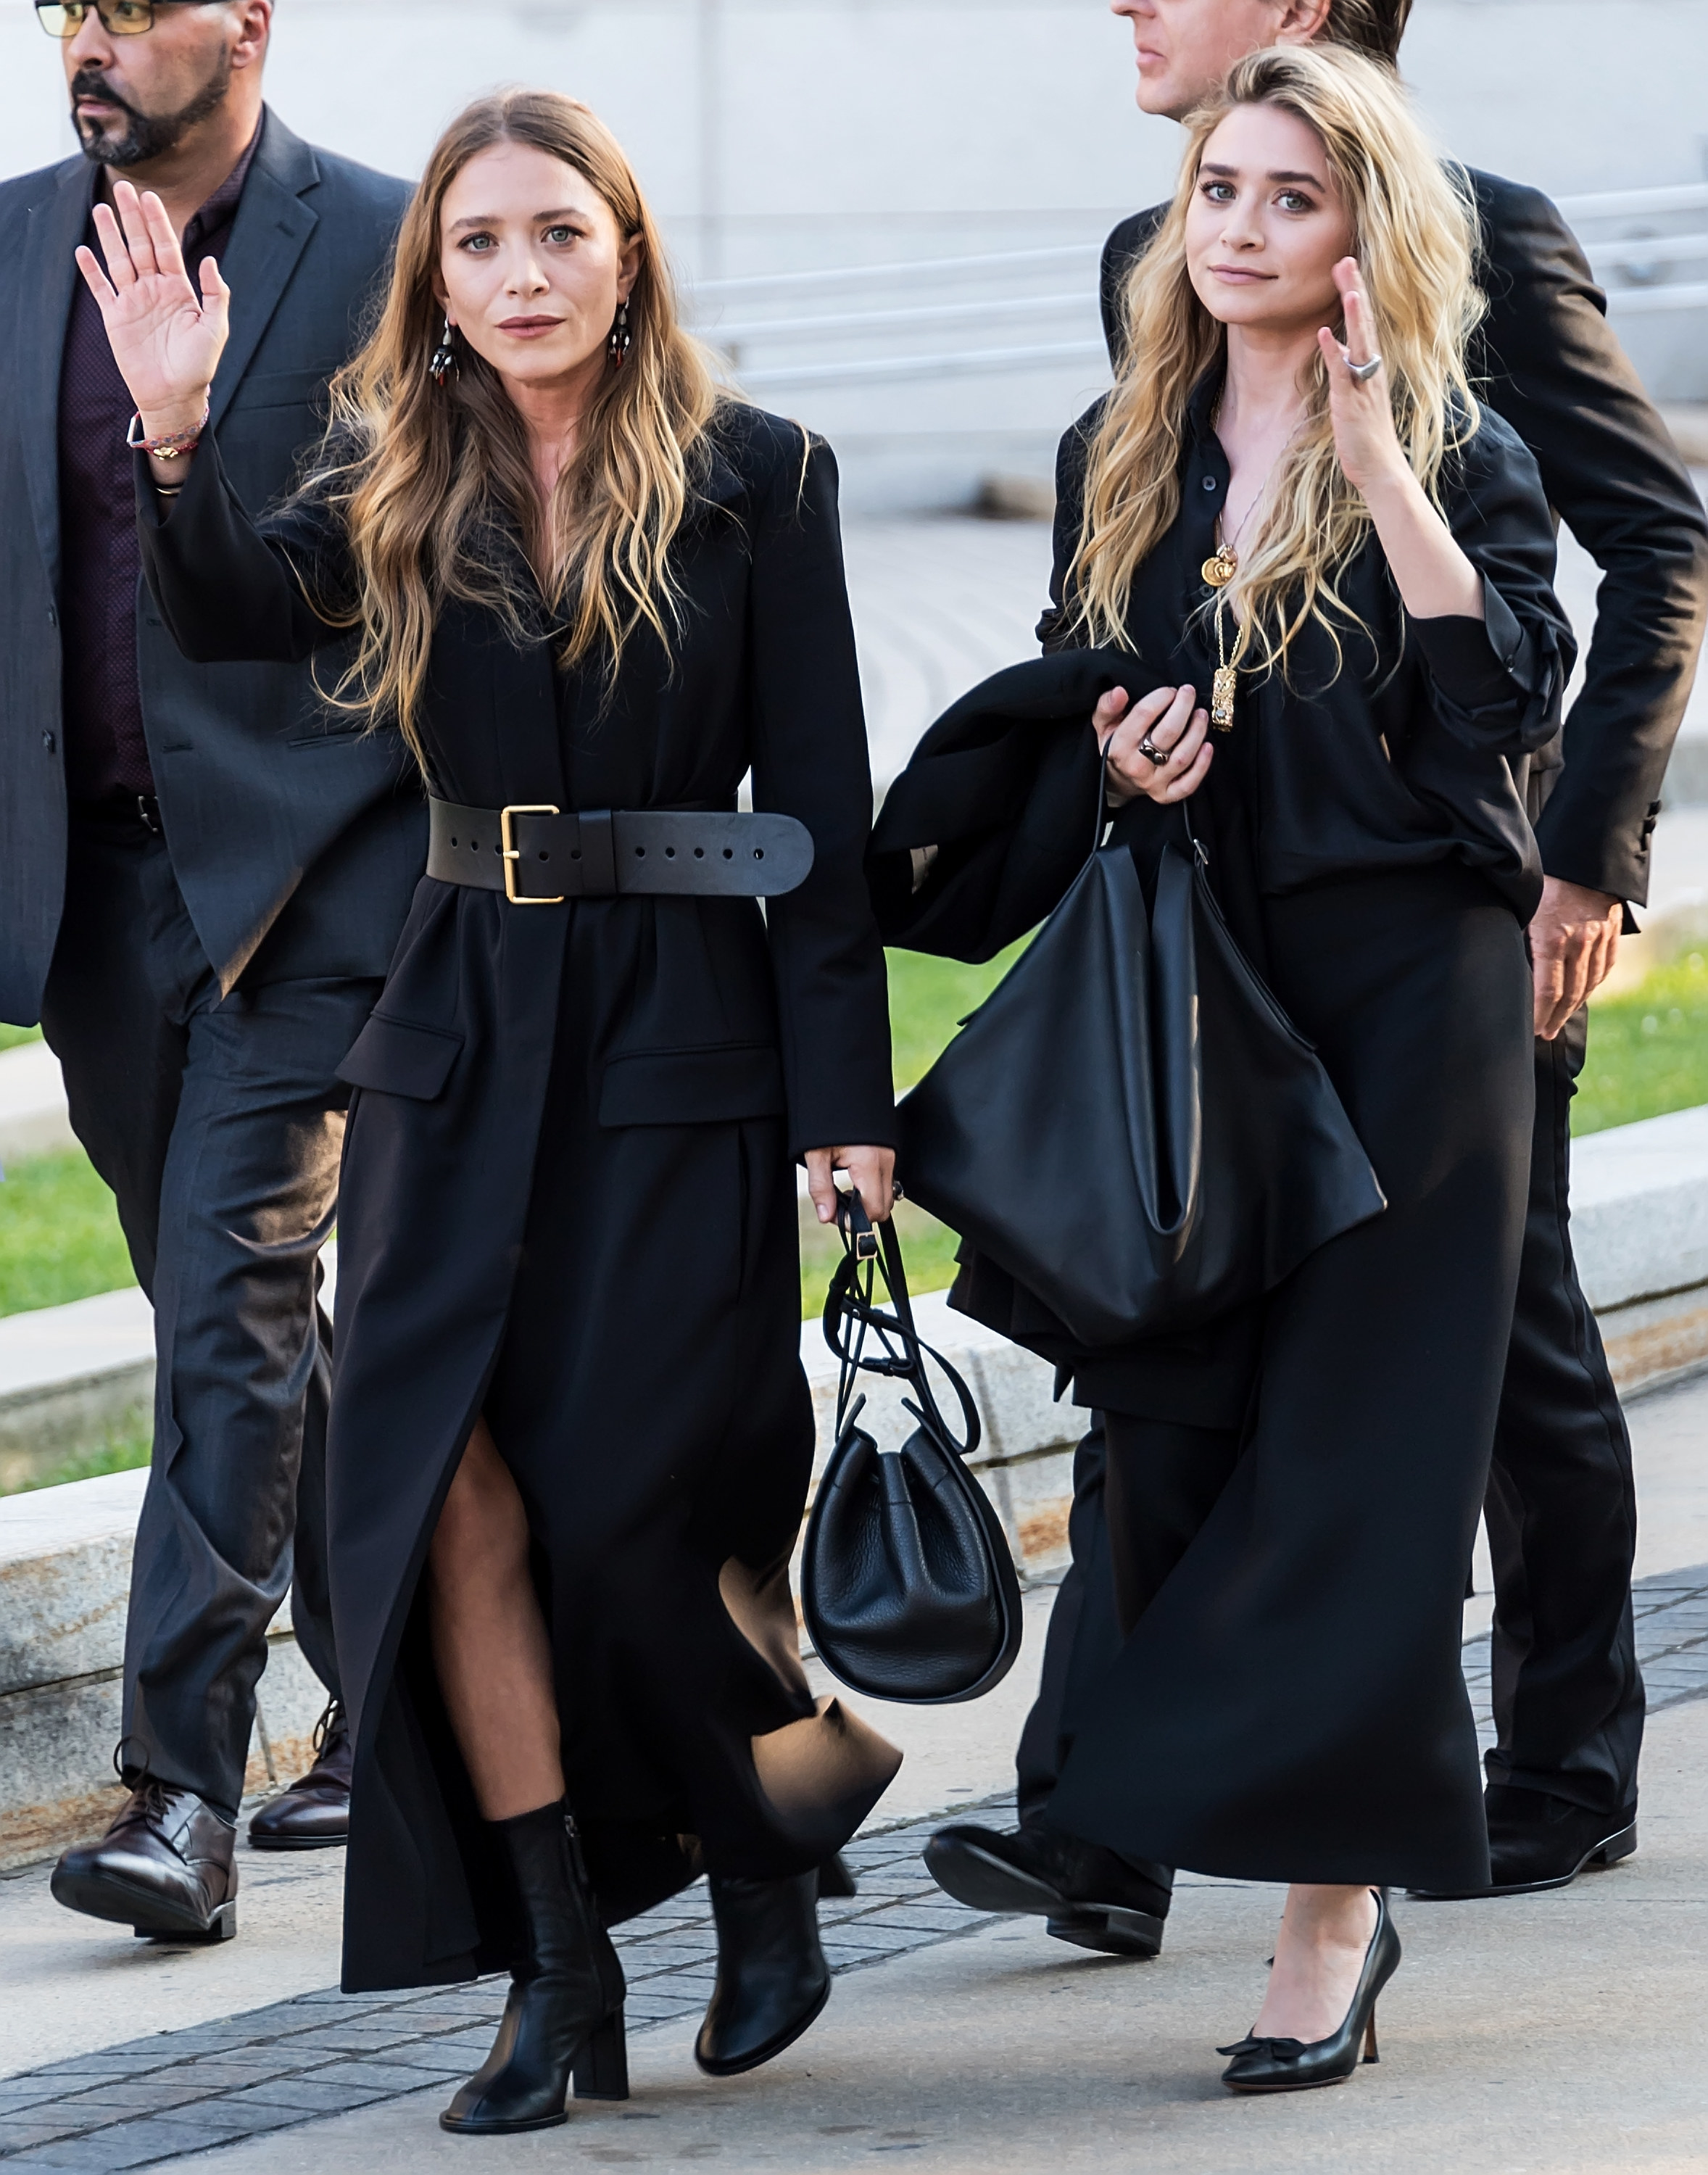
<point>232,590</point>
<point>1557,373</point>
<point>809,760</point>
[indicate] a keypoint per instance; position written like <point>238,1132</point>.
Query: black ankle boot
<point>773,1979</point>
<point>565,2014</point>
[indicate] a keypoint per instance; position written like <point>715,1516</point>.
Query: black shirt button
<point>1209,483</point>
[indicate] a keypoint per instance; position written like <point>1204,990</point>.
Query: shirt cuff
<point>1476,663</point>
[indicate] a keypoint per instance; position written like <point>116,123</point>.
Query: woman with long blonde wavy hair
<point>570,1437</point>
<point>1312,579</point>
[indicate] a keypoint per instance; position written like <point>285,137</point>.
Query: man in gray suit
<point>202,872</point>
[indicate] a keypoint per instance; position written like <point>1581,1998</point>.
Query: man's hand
<point>1574,941</point>
<point>873,1171</point>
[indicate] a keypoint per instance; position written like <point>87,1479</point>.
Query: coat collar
<point>273,223</point>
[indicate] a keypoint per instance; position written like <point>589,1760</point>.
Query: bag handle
<point>851,1315</point>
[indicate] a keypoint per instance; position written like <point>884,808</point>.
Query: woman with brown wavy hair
<point>570,1437</point>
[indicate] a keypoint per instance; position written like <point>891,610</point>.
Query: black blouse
<point>1409,747</point>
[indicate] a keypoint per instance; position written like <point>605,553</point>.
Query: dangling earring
<point>621,339</point>
<point>444,360</point>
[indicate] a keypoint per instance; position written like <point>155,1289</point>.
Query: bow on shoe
<point>1277,2050</point>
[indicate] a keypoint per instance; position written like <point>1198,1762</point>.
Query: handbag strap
<point>1198,854</point>
<point>852,1317</point>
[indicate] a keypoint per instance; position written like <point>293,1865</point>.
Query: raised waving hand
<point>166,339</point>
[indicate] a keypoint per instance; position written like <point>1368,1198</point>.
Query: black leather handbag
<point>907,1587</point>
<point>1131,1125</point>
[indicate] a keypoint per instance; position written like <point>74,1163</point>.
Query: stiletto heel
<point>1295,2065</point>
<point>601,2069</point>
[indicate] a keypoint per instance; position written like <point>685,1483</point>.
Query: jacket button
<point>1210,483</point>
<point>47,741</point>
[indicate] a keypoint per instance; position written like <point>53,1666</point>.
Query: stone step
<point>1640,1229</point>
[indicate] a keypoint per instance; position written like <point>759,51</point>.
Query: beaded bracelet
<point>167,449</point>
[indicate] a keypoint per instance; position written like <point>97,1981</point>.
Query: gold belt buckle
<point>512,852</point>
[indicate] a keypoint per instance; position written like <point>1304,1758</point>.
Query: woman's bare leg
<point>489,1643</point>
<point>1319,1953</point>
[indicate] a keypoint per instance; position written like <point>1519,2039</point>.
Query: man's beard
<point>146,135</point>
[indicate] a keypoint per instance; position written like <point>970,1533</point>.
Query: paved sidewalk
<point>321,2059</point>
<point>1561,2034</point>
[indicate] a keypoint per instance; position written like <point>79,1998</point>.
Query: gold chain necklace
<point>1219,570</point>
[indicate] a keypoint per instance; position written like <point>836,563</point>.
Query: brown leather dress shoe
<point>314,1812</point>
<point>164,1866</point>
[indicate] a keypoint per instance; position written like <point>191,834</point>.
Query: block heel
<point>601,2071</point>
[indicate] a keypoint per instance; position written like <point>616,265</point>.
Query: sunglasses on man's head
<point>120,19</point>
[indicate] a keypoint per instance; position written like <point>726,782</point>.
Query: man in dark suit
<point>1561,1508</point>
<point>202,872</point>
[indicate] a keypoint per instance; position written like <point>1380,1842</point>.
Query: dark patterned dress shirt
<point>106,756</point>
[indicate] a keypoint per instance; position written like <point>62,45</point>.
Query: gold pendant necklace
<point>1224,681</point>
<point>1219,570</point>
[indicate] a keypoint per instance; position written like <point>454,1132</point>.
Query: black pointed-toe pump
<point>1295,2065</point>
<point>773,1979</point>
<point>564,2018</point>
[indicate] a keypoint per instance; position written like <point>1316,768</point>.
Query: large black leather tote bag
<point>1131,1125</point>
<point>908,1588</point>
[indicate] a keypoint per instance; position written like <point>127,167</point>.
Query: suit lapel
<point>269,235</point>
<point>56,225</point>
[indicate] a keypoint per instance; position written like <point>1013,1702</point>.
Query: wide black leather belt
<point>541,856</point>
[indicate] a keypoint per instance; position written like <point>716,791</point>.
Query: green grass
<point>60,1237</point>
<point>119,1454</point>
<point>1648,1049</point>
<point>928,998</point>
<point>59,1234</point>
<point>10,1037</point>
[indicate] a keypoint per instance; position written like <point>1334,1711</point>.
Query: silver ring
<point>1147,747</point>
<point>1363,371</point>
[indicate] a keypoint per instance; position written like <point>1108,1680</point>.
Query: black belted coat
<point>568,1202</point>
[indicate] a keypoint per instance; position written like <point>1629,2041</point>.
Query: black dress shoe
<point>1089,1895</point>
<point>773,1979</point>
<point>314,1812</point>
<point>164,1866</point>
<point>1537,1842</point>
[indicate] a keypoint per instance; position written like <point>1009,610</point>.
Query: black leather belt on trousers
<point>541,856</point>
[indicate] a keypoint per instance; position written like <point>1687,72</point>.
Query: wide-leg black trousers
<point>218,1124</point>
<point>1290,1703</point>
<point>1562,1506</point>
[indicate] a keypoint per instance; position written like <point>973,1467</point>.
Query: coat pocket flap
<point>706,1087</point>
<point>399,1058</point>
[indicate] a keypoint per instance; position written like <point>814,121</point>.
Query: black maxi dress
<point>1288,1704</point>
<point>568,1202</point>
